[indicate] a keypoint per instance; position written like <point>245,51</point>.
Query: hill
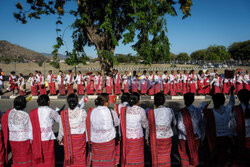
<point>50,56</point>
<point>9,52</point>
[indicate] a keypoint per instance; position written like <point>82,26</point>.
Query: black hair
<point>80,72</point>
<point>21,74</point>
<point>191,72</point>
<point>244,97</point>
<point>144,72</point>
<point>125,97</point>
<point>20,103</point>
<point>102,99</point>
<point>156,72</point>
<point>133,99</point>
<point>218,100</point>
<point>50,70</point>
<point>60,71</point>
<point>200,72</point>
<point>165,72</point>
<point>12,72</point>
<point>70,71</point>
<point>43,100</point>
<point>134,73</point>
<point>188,99</point>
<point>159,99</point>
<point>72,100</point>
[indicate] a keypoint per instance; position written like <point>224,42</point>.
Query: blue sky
<point>219,22</point>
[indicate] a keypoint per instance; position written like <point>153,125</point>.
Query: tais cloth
<point>22,153</point>
<point>103,154</point>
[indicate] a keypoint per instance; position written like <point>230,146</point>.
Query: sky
<point>213,22</point>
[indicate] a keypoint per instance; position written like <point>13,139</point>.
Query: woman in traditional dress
<point>161,121</point>
<point>100,124</point>
<point>133,120</point>
<point>72,134</point>
<point>42,120</point>
<point>17,129</point>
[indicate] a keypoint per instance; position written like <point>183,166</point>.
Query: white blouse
<point>77,122</point>
<point>19,124</point>
<point>196,117</point>
<point>102,127</point>
<point>47,116</point>
<point>136,120</point>
<point>164,120</point>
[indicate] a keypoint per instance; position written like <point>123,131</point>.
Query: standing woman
<point>70,82</point>
<point>17,130</point>
<point>109,84</point>
<point>165,83</point>
<point>21,85</point>
<point>90,83</point>
<point>42,120</point>
<point>192,79</point>
<point>134,82</point>
<point>161,121</point>
<point>241,125</point>
<point>185,82</point>
<point>41,81</point>
<point>61,83</point>
<point>125,82</point>
<point>72,134</point>
<point>101,123</point>
<point>33,84</point>
<point>132,122</point>
<point>80,83</point>
<point>98,83</point>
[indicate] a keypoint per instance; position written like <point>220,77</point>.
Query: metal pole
<point>44,68</point>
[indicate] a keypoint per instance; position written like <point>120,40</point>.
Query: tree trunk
<point>106,64</point>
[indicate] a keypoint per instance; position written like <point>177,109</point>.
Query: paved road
<point>176,105</point>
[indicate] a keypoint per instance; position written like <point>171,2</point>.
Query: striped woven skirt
<point>2,159</point>
<point>22,154</point>
<point>48,154</point>
<point>135,152</point>
<point>164,152</point>
<point>103,154</point>
<point>79,151</point>
<point>184,151</point>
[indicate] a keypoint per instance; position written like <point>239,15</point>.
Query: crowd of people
<point>104,136</point>
<point>173,83</point>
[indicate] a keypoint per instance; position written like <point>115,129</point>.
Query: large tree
<point>183,57</point>
<point>102,23</point>
<point>217,53</point>
<point>240,50</point>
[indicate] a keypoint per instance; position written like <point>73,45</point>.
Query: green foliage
<point>212,53</point>
<point>74,58</point>
<point>172,56</point>
<point>217,53</point>
<point>198,54</point>
<point>240,50</point>
<point>122,58</point>
<point>104,23</point>
<point>183,57</point>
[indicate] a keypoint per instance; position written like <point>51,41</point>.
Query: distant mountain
<point>50,56</point>
<point>10,52</point>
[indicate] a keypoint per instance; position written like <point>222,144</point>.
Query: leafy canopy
<point>240,50</point>
<point>103,23</point>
